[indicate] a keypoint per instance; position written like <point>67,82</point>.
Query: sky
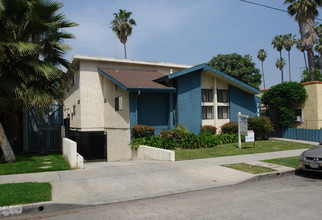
<point>186,31</point>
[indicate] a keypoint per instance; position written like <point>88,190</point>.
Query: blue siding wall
<point>243,102</point>
<point>153,110</point>
<point>133,109</point>
<point>302,134</point>
<point>189,101</point>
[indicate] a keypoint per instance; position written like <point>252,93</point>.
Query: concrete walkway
<point>102,182</point>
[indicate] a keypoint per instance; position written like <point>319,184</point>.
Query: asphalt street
<point>288,197</point>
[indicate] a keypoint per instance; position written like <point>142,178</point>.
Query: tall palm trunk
<point>8,154</point>
<point>310,56</point>
<point>263,74</point>
<point>289,66</point>
<point>125,51</point>
<point>282,75</point>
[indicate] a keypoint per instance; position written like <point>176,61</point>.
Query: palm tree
<point>278,44</point>
<point>280,63</point>
<point>261,55</point>
<point>305,12</point>
<point>122,26</point>
<point>32,49</point>
<point>318,46</point>
<point>289,41</point>
<point>299,46</point>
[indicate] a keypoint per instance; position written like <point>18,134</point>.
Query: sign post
<point>242,127</point>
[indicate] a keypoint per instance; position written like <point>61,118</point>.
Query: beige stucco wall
<point>312,108</point>
<point>72,97</point>
<point>209,81</point>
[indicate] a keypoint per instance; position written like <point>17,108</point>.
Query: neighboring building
<point>111,95</point>
<point>309,114</point>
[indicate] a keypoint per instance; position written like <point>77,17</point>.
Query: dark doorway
<point>91,145</point>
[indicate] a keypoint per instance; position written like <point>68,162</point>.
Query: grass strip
<point>286,161</point>
<point>232,149</point>
<point>249,168</point>
<point>23,193</point>
<point>31,163</point>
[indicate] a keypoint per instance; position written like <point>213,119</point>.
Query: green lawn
<point>249,168</point>
<point>28,163</point>
<point>232,149</point>
<point>287,161</point>
<point>23,193</point>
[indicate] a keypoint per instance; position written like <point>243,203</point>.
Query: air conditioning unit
<point>298,119</point>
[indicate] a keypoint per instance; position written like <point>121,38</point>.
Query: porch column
<point>133,108</point>
<point>170,125</point>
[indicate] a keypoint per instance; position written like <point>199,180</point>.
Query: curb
<point>7,211</point>
<point>265,176</point>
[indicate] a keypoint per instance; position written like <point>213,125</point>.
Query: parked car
<point>311,159</point>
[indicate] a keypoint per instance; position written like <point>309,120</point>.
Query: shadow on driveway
<point>310,175</point>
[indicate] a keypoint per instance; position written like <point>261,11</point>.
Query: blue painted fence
<point>302,134</point>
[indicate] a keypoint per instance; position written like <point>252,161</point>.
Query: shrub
<point>153,141</point>
<point>262,126</point>
<point>208,128</point>
<point>227,138</point>
<point>168,134</point>
<point>139,131</point>
<point>180,131</point>
<point>230,128</point>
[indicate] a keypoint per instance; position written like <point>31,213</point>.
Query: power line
<point>270,7</point>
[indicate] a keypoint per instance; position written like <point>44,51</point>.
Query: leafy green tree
<point>32,48</point>
<point>122,26</point>
<point>261,55</point>
<point>280,63</point>
<point>240,67</point>
<point>299,46</point>
<point>279,99</point>
<point>305,12</point>
<point>289,41</point>
<point>278,44</point>
<point>306,76</point>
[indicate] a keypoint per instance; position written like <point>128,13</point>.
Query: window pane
<point>223,95</point>
<point>117,104</point>
<point>223,112</point>
<point>207,112</point>
<point>207,95</point>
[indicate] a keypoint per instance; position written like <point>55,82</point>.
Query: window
<point>74,110</point>
<point>118,103</point>
<point>223,112</point>
<point>73,81</point>
<point>207,112</point>
<point>207,95</point>
<point>222,95</point>
<point>298,115</point>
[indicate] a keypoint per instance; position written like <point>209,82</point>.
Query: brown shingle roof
<point>133,79</point>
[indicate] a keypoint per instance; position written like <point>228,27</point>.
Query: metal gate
<point>44,129</point>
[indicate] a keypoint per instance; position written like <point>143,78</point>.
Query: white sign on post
<point>250,137</point>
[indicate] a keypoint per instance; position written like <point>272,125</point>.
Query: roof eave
<point>113,80</point>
